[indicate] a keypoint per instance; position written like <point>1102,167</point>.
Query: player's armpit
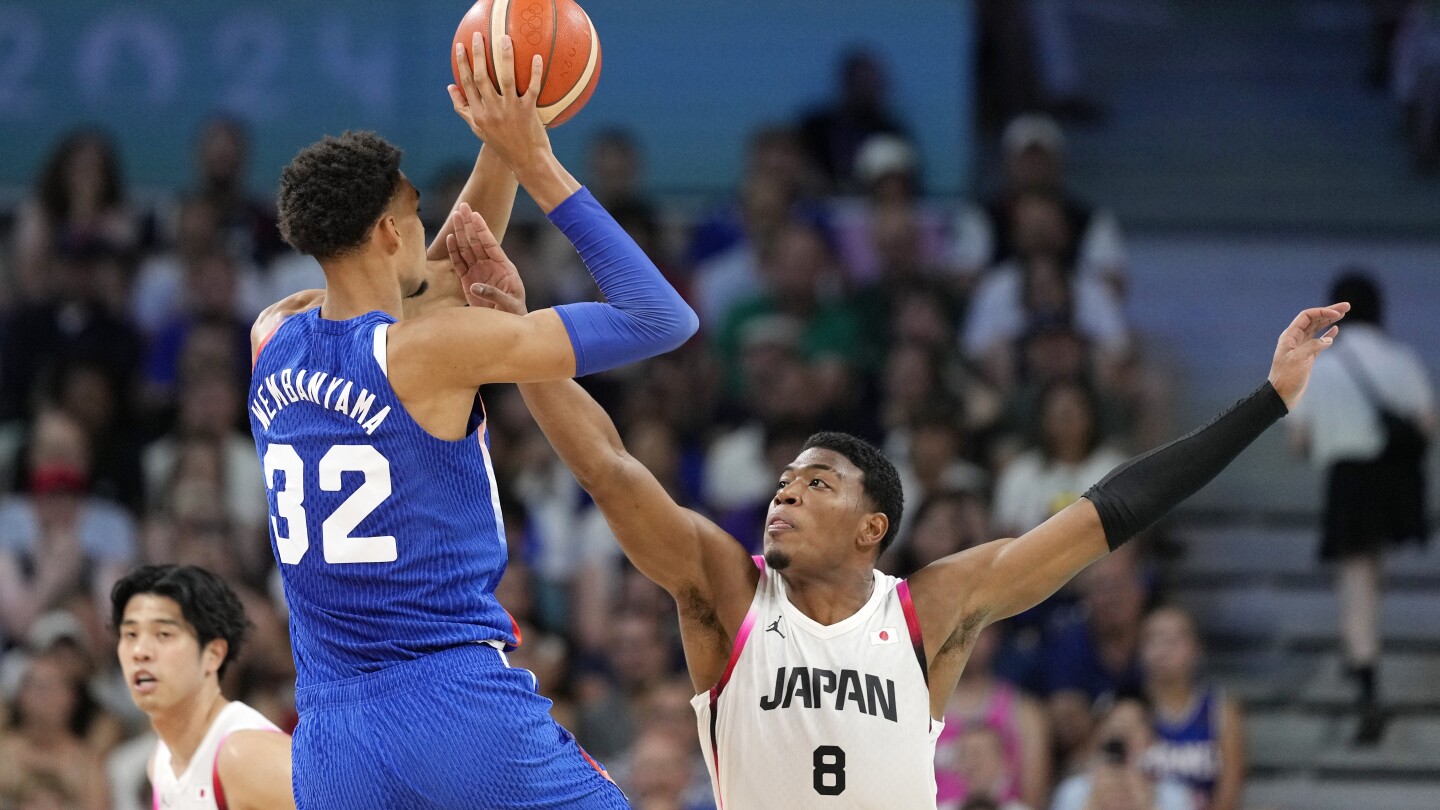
<point>466,347</point>
<point>254,771</point>
<point>996,580</point>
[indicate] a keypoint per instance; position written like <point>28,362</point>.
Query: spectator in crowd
<point>996,740</point>
<point>78,204</point>
<point>1367,427</point>
<point>85,391</point>
<point>888,230</point>
<point>1039,284</point>
<point>1199,731</point>
<point>834,134</point>
<point>1097,654</point>
<point>615,170</point>
<point>1117,777</point>
<point>638,658</point>
<point>44,745</point>
<point>982,764</point>
<point>947,522</point>
<point>990,234</point>
<point>800,279</point>
<point>1068,455</point>
<point>726,276</point>
<point>77,323</point>
<point>247,221</point>
<point>661,773</point>
<point>1051,353</point>
<point>544,653</point>
<point>935,459</point>
<point>166,285</point>
<point>57,540</point>
<point>773,154</point>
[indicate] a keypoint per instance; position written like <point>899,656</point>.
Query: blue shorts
<point>456,729</point>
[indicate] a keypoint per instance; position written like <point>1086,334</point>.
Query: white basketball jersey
<point>198,788</point>
<point>816,716</point>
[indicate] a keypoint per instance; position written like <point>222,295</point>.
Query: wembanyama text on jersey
<point>824,716</point>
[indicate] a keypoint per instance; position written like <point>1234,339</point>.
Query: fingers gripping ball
<point>558,30</point>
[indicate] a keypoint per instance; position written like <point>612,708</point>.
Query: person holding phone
<point>1117,778</point>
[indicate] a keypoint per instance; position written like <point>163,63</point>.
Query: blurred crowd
<point>1405,64</point>
<point>982,344</point>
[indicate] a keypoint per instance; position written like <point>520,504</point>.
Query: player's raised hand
<point>480,262</point>
<point>1311,333</point>
<point>505,119</point>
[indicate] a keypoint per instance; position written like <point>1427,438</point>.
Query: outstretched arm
<point>968,590</point>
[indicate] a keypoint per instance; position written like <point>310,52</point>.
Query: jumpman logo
<point>775,627</point>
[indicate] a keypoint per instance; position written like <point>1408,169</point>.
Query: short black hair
<point>205,601</point>
<point>335,190</point>
<point>1357,286</point>
<point>878,476</point>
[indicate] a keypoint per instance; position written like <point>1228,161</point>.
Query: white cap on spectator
<point>780,331</point>
<point>1032,130</point>
<point>881,155</point>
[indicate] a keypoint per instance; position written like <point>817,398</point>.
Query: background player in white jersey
<point>180,628</point>
<point>819,678</point>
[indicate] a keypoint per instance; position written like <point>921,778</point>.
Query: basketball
<point>558,30</point>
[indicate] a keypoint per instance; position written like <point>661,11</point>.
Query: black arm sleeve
<point>1140,491</point>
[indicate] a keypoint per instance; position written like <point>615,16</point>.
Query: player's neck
<point>183,725</point>
<point>832,596</point>
<point>355,285</point>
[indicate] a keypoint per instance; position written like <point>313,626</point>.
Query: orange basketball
<point>558,30</point>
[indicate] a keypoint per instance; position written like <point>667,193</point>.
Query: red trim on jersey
<point>263,343</point>
<point>912,621</point>
<point>215,769</point>
<point>598,769</point>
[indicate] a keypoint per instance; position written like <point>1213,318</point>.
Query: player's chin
<point>776,559</point>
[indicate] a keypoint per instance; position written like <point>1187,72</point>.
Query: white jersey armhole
<point>380,356</point>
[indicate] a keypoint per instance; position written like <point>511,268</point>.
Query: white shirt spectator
<point>1032,489</point>
<point>1336,413</point>
<point>1074,793</point>
<point>997,312</point>
<point>1102,247</point>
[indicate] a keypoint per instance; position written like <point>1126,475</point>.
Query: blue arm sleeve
<point>642,315</point>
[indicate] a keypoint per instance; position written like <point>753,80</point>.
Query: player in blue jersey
<point>384,514</point>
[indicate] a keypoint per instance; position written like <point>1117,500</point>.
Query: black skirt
<point>1371,505</point>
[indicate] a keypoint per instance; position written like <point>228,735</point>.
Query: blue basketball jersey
<point>1187,749</point>
<point>389,540</point>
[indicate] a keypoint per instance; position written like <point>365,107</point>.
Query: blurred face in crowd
<point>1056,353</point>
<point>1113,592</point>
<point>764,207</point>
<point>667,709</point>
<point>221,153</point>
<point>208,405</point>
<point>660,767</point>
<point>59,439</point>
<point>614,166</point>
<point>1047,291</point>
<point>163,662</point>
<point>198,229</point>
<point>1128,721</point>
<point>1169,646</point>
<point>637,651</point>
<point>796,264</point>
<point>819,514</point>
<point>47,695</point>
<point>1035,168</point>
<point>951,523</point>
<point>895,232</point>
<point>211,286</point>
<point>910,374</point>
<point>86,394</point>
<point>86,169</point>
<point>1067,422</point>
<point>982,760</point>
<point>1040,227</point>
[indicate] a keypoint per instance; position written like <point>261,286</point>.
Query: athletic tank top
<point>199,788</point>
<point>999,713</point>
<point>390,540</point>
<point>815,716</point>
<point>1187,749</point>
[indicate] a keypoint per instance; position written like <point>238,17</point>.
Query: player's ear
<point>386,235</point>
<point>214,654</point>
<point>873,528</point>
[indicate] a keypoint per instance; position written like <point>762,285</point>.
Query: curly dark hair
<point>335,190</point>
<point>878,476</point>
<point>206,602</point>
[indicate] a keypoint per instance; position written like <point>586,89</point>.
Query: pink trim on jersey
<point>740,639</point>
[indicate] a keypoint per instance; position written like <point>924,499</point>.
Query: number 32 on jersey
<point>335,537</point>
